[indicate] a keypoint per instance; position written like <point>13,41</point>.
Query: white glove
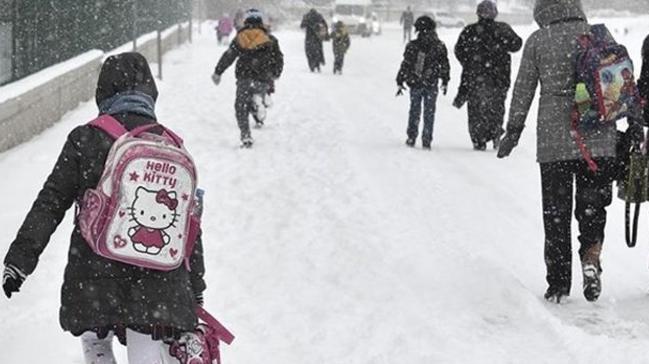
<point>216,79</point>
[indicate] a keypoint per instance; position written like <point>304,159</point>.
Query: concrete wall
<point>46,97</point>
<point>31,105</point>
<point>171,38</point>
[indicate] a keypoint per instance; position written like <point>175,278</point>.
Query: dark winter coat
<point>549,59</point>
<point>316,31</point>
<point>483,50</point>
<point>643,82</point>
<point>425,62</point>
<point>99,294</point>
<point>260,57</point>
<point>407,19</point>
<point>340,40</point>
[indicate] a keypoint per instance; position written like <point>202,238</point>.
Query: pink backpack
<point>142,212</point>
<point>202,345</point>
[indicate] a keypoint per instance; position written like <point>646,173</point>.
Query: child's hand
<point>400,90</point>
<point>216,79</point>
<point>12,279</point>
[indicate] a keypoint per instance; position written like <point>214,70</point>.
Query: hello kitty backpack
<point>143,211</point>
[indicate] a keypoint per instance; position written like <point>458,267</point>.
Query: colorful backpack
<point>605,86</point>
<point>142,212</point>
<point>202,345</point>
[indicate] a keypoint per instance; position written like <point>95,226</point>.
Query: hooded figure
<point>316,32</point>
<point>425,63</point>
<point>549,59</point>
<point>100,297</point>
<point>483,50</point>
<point>260,62</point>
<point>643,81</point>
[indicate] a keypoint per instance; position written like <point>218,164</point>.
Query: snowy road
<point>331,242</point>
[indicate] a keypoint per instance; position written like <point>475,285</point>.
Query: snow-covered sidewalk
<point>331,242</point>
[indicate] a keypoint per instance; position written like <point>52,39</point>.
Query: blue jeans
<point>427,96</point>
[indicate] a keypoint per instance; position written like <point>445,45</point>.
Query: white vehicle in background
<point>357,16</point>
<point>447,20</point>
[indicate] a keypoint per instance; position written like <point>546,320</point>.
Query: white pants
<point>141,349</point>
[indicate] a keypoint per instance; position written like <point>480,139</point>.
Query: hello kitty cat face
<point>154,209</point>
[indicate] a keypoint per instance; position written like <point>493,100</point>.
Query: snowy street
<point>332,242</point>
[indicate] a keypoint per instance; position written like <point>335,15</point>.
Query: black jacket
<point>483,50</point>
<point>340,41</point>
<point>260,57</point>
<point>315,25</point>
<point>643,81</point>
<point>425,61</point>
<point>100,294</point>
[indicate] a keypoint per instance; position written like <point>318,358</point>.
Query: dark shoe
<point>247,141</point>
<point>480,146</point>
<point>410,142</point>
<point>592,284</point>
<point>556,295</point>
<point>425,145</point>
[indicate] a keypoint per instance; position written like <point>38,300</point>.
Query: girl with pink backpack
<point>105,294</point>
<point>224,28</point>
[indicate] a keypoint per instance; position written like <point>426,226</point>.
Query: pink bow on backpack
<point>163,197</point>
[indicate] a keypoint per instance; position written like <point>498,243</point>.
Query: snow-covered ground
<point>331,242</point>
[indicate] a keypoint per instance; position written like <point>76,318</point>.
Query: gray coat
<point>549,58</point>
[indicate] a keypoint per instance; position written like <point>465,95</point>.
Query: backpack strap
<point>223,333</point>
<point>631,235</point>
<point>166,132</point>
<point>109,125</point>
<point>115,129</point>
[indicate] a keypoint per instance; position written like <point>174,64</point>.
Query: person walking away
<point>224,28</point>
<point>643,81</point>
<point>101,297</point>
<point>483,49</point>
<point>259,63</point>
<point>341,42</point>
<point>549,58</point>
<point>316,30</point>
<point>407,21</point>
<point>239,17</point>
<point>425,63</point>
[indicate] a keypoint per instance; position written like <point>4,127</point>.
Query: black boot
<point>556,294</point>
<point>592,283</point>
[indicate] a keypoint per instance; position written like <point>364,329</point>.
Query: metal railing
<point>35,34</point>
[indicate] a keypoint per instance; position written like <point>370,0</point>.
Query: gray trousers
<point>243,105</point>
